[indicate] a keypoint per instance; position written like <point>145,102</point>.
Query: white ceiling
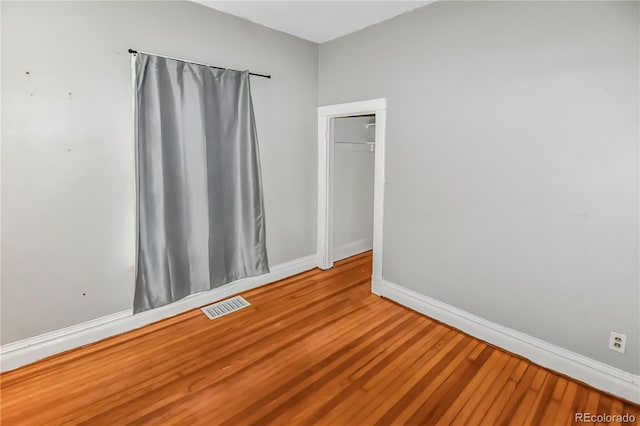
<point>317,21</point>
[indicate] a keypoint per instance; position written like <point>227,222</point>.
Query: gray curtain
<point>200,207</point>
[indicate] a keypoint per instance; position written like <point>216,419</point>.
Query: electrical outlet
<point>617,342</point>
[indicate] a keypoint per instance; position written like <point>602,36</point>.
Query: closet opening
<point>353,142</point>
<point>351,139</point>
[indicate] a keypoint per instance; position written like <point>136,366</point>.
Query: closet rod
<point>133,52</point>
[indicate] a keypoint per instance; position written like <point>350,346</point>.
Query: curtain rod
<point>133,52</point>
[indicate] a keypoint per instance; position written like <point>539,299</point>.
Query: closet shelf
<point>357,142</point>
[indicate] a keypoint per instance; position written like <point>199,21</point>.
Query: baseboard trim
<point>595,373</point>
<point>351,249</point>
<point>27,351</point>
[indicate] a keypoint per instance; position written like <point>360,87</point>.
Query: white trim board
<point>351,249</point>
<point>595,373</point>
<point>27,351</point>
<point>349,108</point>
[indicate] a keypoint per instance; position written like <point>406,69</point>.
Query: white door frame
<point>325,181</point>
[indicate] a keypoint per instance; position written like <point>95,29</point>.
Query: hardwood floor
<point>317,348</point>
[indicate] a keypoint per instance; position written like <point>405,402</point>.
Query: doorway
<point>344,134</point>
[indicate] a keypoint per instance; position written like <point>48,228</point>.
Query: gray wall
<point>67,148</point>
<point>512,161</point>
<point>353,167</point>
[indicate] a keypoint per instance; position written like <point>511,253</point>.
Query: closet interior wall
<point>353,170</point>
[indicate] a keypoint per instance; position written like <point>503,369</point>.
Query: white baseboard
<point>595,373</point>
<point>27,351</point>
<point>351,249</point>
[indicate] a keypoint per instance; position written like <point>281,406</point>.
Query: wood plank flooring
<point>317,348</point>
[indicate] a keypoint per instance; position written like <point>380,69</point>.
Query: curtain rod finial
<point>133,51</point>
